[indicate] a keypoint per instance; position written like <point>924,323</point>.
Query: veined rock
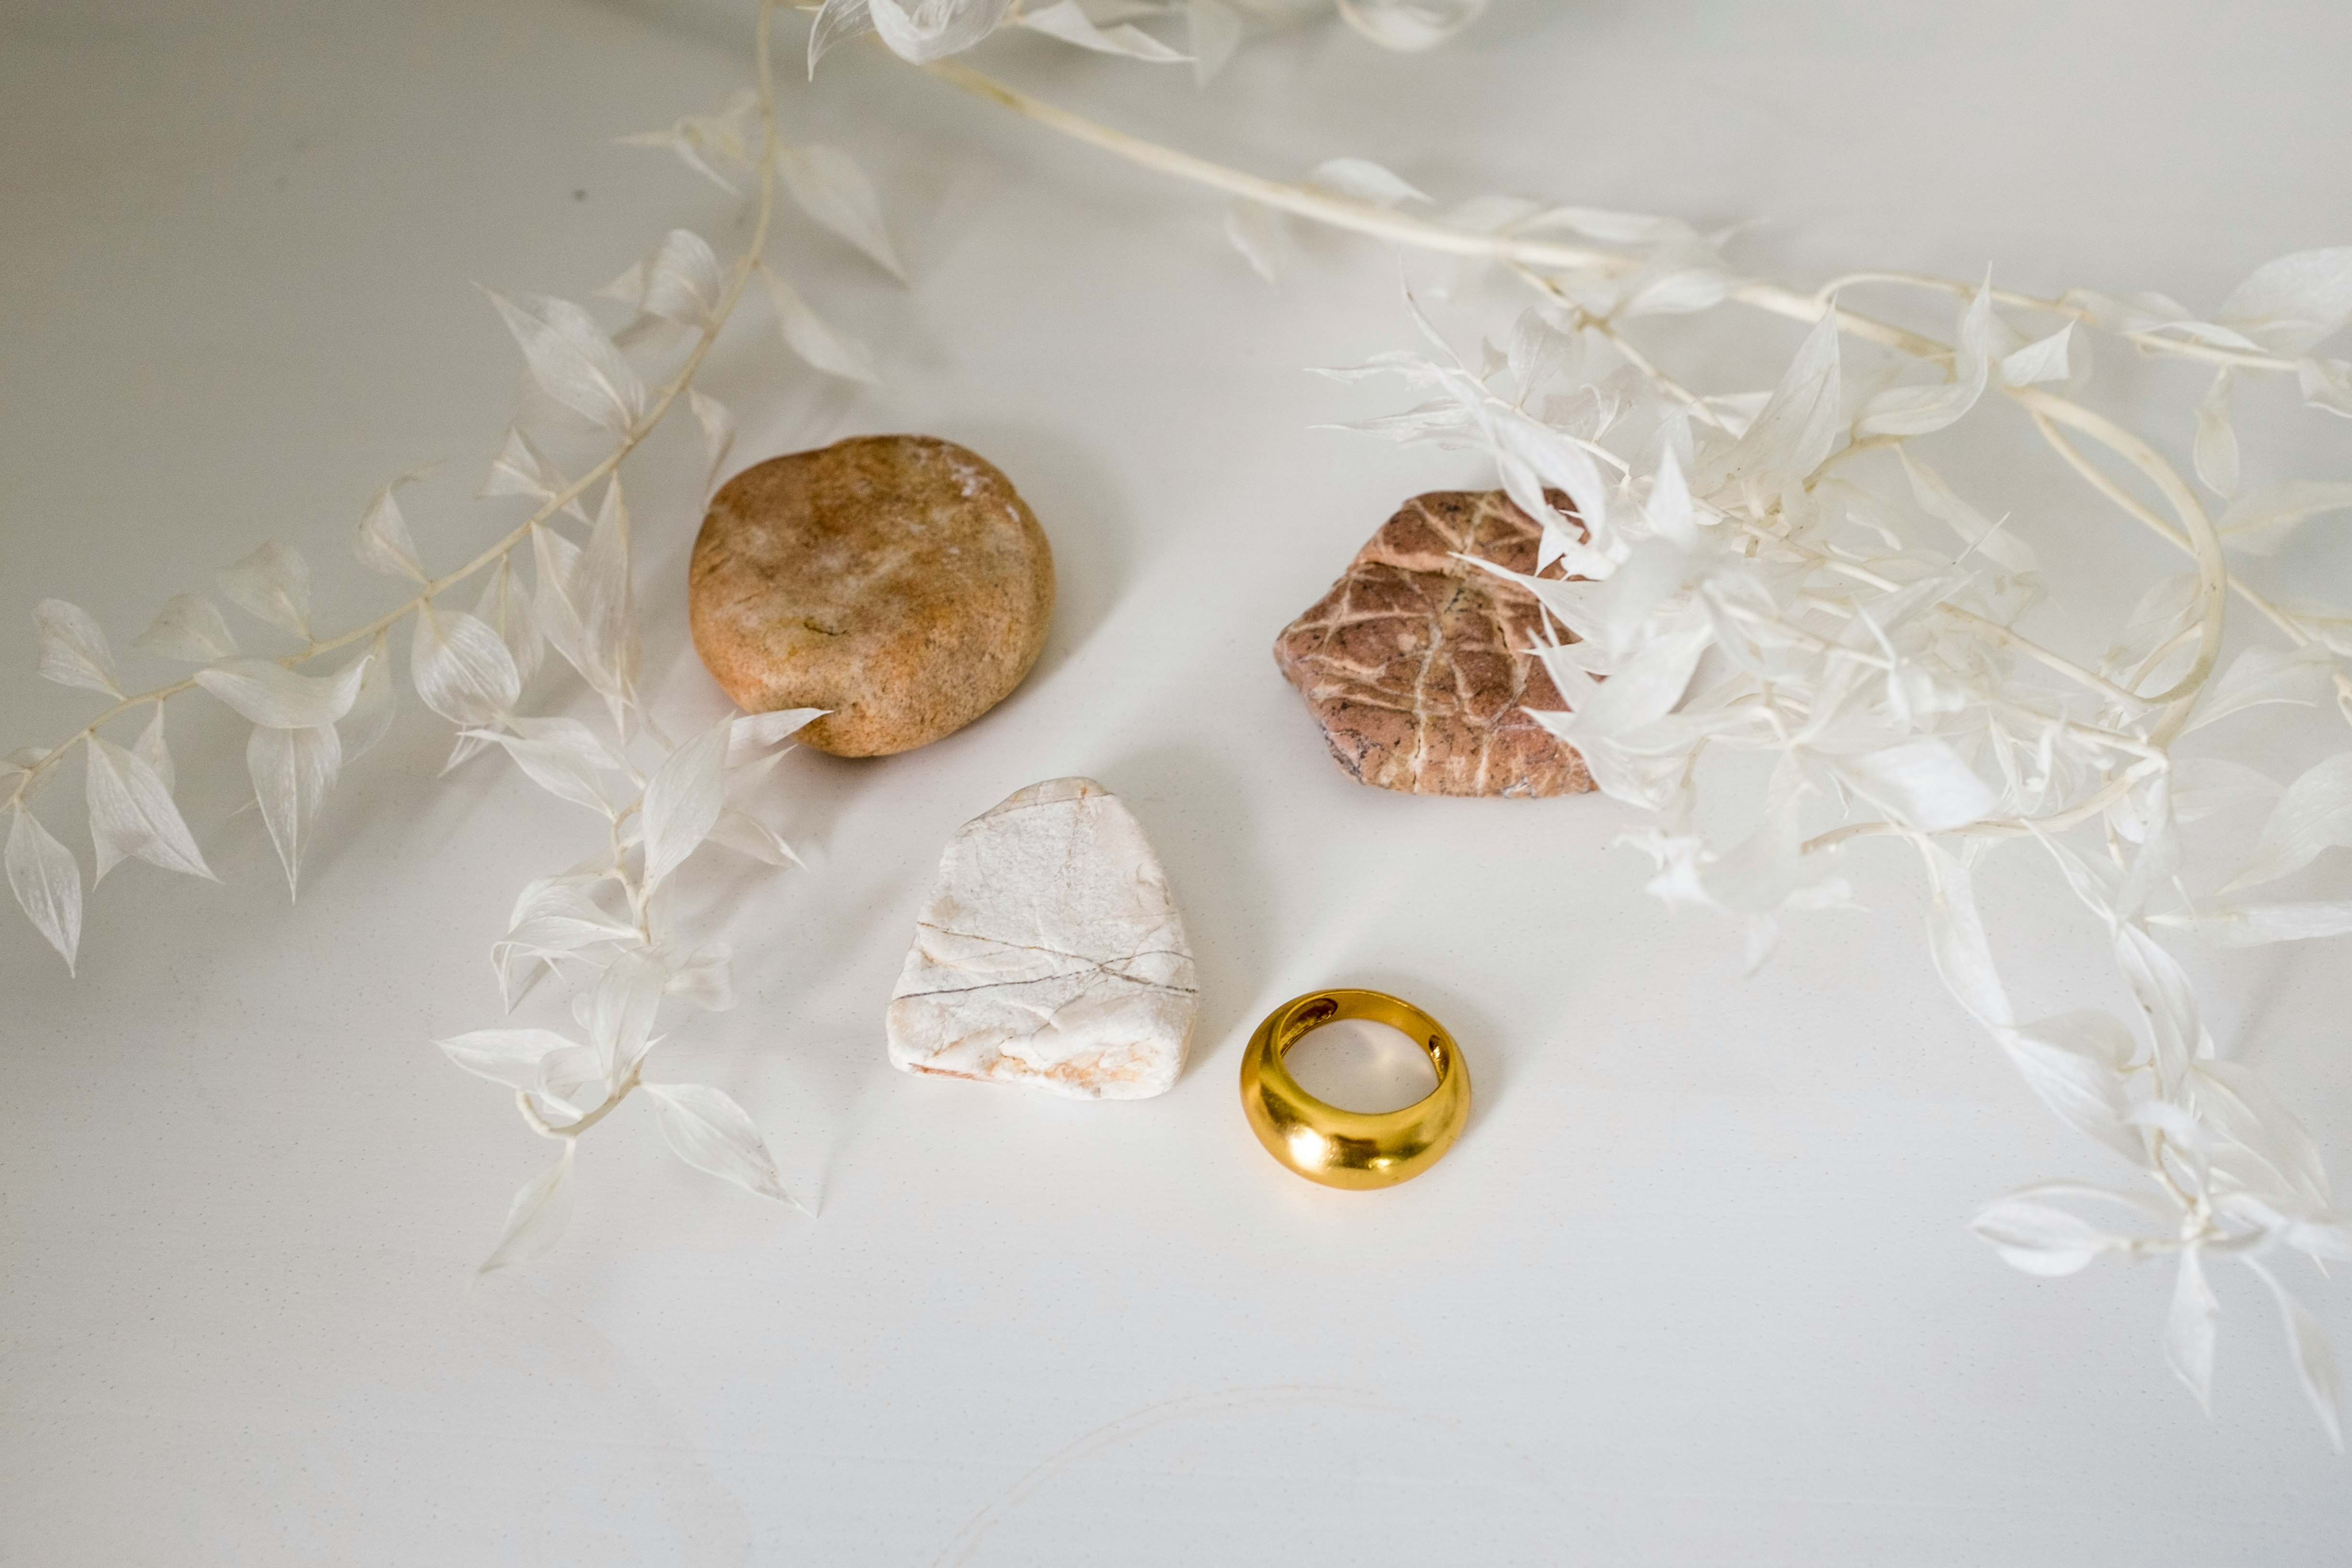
<point>1049,953</point>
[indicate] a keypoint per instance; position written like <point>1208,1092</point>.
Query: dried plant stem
<point>739,278</point>
<point>2194,534</point>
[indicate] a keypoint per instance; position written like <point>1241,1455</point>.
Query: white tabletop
<point>1695,1288</point>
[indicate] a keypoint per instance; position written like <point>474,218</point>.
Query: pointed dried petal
<point>132,814</point>
<point>271,584</point>
<point>572,360</point>
<point>292,770</point>
<point>537,1215</point>
<point>461,668</point>
<point>73,647</point>
<point>835,352</point>
<point>683,801</point>
<point>47,881</point>
<point>833,190</point>
<point>710,1132</point>
<point>384,543</point>
<point>274,697</point>
<point>190,628</point>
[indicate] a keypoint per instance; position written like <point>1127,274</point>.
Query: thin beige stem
<point>1322,206</point>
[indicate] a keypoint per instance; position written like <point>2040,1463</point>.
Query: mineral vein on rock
<point>1050,953</point>
<point>1416,663</point>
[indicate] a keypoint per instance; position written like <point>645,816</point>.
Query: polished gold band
<point>1351,1148</point>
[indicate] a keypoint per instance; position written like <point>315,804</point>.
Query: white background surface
<point>1695,1286</point>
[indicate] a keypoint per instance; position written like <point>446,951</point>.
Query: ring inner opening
<point>1359,1065</point>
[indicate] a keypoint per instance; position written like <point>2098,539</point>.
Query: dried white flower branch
<point>1735,586</point>
<point>660,801</point>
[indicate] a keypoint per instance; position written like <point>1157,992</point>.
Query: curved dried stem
<point>665,398</point>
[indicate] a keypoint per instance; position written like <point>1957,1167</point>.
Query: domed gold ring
<point>1352,1149</point>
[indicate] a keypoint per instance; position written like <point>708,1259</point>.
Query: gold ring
<point>1351,1148</point>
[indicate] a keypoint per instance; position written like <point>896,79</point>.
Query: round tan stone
<point>897,580</point>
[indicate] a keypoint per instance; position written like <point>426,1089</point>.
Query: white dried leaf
<point>1066,20</point>
<point>132,814</point>
<point>567,913</point>
<point>1920,782</point>
<point>741,831</point>
<point>1255,230</point>
<point>2217,437</point>
<point>1956,940</point>
<point>2189,1330</point>
<point>150,749</point>
<point>73,647</point>
<point>2233,1102</point>
<point>189,627</point>
<point>619,1013</point>
<point>1215,33</point>
<point>2076,1064</point>
<point>555,601</point>
<point>292,770</point>
<point>698,138</point>
<point>537,1218</point>
<point>2314,1359</point>
<point>2258,925</point>
<point>1364,181</point>
<point>680,281</point>
<point>718,433</point>
<point>754,733</point>
<point>2261,523</point>
<point>1799,426</point>
<point>683,801</point>
<point>274,697</point>
<point>837,22</point>
<point>2289,305</point>
<point>520,470</point>
<point>1669,288</point>
<point>505,608</point>
<point>1994,542</point>
<point>2203,787</point>
<point>2260,675</point>
<point>1409,27</point>
<point>926,30</point>
<point>271,584</point>
<point>1919,410</point>
<point>2313,815</point>
<point>1610,228</point>
<point>47,881</point>
<point>2165,995</point>
<point>706,978</point>
<point>609,648</point>
<point>371,713</point>
<point>2040,1239</point>
<point>384,543</point>
<point>710,1132</point>
<point>807,335</point>
<point>2045,359</point>
<point>572,361</point>
<point>828,185</point>
<point>563,757</point>
<point>2327,384</point>
<point>461,668</point>
<point>516,1058</point>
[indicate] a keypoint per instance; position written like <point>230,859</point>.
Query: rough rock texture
<point>1410,661</point>
<point>897,580</point>
<point>1049,953</point>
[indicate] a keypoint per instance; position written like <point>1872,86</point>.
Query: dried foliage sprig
<point>1778,571</point>
<point>659,800</point>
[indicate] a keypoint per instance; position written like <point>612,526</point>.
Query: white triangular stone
<point>1049,953</point>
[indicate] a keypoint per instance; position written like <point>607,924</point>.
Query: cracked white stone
<point>1050,953</point>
